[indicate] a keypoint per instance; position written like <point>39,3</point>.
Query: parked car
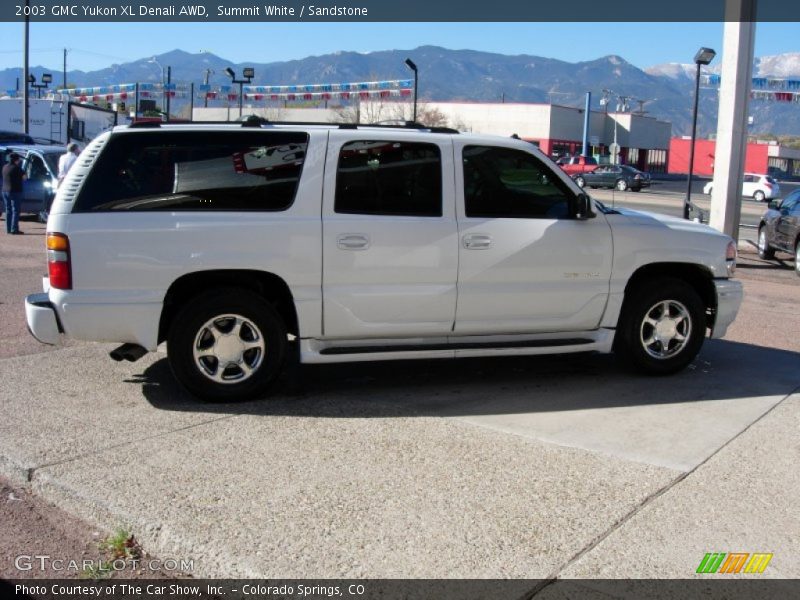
<point>755,186</point>
<point>780,229</point>
<point>622,177</point>
<point>40,165</point>
<point>572,165</point>
<point>362,243</point>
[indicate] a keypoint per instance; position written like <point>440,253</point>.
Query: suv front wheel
<point>227,345</point>
<point>662,327</point>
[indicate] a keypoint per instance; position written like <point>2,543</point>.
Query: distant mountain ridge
<point>470,75</point>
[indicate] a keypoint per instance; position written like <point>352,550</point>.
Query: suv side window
<point>509,183</point>
<point>389,178</point>
<point>193,170</point>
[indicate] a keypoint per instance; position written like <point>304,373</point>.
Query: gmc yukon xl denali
<point>236,243</point>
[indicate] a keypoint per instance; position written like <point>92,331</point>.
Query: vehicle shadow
<point>491,386</point>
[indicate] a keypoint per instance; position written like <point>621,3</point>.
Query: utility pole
<point>65,69</point>
<point>168,91</point>
<point>208,73</point>
<point>25,72</point>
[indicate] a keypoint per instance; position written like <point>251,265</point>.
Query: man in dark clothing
<point>12,192</point>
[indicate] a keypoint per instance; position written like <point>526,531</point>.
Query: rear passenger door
<point>390,245</point>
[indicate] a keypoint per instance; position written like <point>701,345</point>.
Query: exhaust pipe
<point>129,352</point>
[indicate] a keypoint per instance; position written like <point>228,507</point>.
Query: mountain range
<point>662,91</point>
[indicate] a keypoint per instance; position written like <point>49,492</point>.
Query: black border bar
<point>533,11</point>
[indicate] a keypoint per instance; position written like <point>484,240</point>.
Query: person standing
<point>12,192</point>
<point>66,160</point>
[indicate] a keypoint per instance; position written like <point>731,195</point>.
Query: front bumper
<point>42,320</point>
<point>729,299</point>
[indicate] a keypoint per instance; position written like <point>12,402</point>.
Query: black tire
<point>580,181</point>
<point>764,250</point>
<point>683,316</point>
<point>215,327</point>
<point>759,196</point>
<point>622,185</point>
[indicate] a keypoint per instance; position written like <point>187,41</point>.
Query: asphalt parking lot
<point>509,468</point>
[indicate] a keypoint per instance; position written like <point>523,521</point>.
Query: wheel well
<point>696,276</point>
<point>268,285</point>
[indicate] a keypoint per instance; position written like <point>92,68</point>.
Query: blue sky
<point>97,45</point>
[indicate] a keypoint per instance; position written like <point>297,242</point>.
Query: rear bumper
<point>42,320</point>
<point>729,299</point>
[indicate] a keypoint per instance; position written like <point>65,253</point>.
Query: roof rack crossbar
<point>256,121</point>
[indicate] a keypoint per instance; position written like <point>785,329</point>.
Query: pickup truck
<point>326,243</point>
<point>573,165</point>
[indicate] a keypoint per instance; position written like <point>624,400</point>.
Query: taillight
<point>768,185</point>
<point>58,261</point>
<point>730,257</point>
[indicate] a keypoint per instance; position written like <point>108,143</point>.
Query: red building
<point>760,157</point>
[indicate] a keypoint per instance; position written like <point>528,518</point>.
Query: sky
<point>94,46</point>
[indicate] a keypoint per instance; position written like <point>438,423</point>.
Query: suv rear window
<point>194,170</point>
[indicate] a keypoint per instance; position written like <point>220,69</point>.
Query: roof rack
<point>256,121</point>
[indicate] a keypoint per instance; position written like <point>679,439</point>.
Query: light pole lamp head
<point>31,78</point>
<point>248,72</point>
<point>411,65</point>
<point>230,73</point>
<point>704,56</point>
<point>47,78</point>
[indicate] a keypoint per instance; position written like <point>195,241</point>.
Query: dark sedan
<point>780,229</point>
<point>622,177</point>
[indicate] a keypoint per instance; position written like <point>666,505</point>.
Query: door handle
<point>477,241</point>
<point>352,241</point>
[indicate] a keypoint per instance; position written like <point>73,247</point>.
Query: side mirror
<point>583,207</point>
<point>774,204</point>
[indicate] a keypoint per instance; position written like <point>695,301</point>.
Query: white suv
<point>237,244</point>
<point>755,186</point>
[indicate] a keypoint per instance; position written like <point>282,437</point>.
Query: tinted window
<point>502,182</point>
<point>389,178</point>
<point>36,171</point>
<point>192,170</point>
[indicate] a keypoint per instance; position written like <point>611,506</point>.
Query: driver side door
<point>526,263</point>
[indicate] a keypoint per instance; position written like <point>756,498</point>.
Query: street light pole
<point>247,75</point>
<point>413,67</point>
<point>703,57</point>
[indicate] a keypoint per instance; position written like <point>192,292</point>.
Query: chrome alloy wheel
<point>797,258</point>
<point>228,349</point>
<point>665,330</point>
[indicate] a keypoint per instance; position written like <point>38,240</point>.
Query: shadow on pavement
<point>472,387</point>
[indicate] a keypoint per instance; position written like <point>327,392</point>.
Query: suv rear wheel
<point>227,345</point>
<point>622,185</point>
<point>662,326</point>
<point>759,196</point>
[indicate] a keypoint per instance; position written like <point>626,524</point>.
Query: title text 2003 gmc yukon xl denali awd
<point>362,243</point>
